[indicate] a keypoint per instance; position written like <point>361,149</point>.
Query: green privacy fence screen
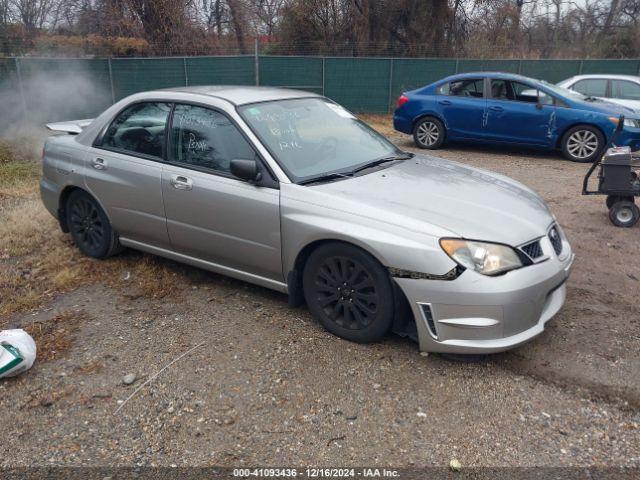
<point>42,90</point>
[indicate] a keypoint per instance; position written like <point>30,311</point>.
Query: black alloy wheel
<point>89,226</point>
<point>349,292</point>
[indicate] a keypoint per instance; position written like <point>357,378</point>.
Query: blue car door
<point>461,103</point>
<point>519,113</point>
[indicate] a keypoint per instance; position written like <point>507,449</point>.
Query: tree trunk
<point>237,18</point>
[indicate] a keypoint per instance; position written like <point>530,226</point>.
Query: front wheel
<point>624,214</point>
<point>582,143</point>
<point>429,133</point>
<point>348,292</point>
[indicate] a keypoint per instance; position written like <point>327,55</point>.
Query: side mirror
<point>539,105</point>
<point>246,170</point>
<point>620,124</point>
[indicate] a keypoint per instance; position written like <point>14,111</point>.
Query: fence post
<point>113,92</point>
<point>580,68</point>
<point>186,75</point>
<point>323,59</point>
<point>21,88</point>
<point>456,66</point>
<point>390,85</point>
<point>256,61</point>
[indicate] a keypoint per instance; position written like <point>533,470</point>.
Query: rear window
<point>592,87</point>
<point>469,87</point>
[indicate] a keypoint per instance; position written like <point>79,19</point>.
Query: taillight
<point>402,100</point>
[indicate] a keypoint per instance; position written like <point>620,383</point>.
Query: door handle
<point>99,164</point>
<point>444,102</point>
<point>495,108</point>
<point>180,182</point>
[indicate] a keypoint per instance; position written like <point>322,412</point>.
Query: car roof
<point>241,95</point>
<point>634,78</point>
<point>498,75</point>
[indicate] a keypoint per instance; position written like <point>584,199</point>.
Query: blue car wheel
<point>582,143</point>
<point>429,133</point>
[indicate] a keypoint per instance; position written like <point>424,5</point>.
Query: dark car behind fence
<point>49,89</point>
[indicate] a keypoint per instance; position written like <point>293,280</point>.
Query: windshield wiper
<point>591,99</point>
<point>325,178</point>
<point>380,161</point>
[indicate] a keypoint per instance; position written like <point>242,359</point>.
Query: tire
<point>90,227</point>
<point>348,292</point>
<point>611,199</point>
<point>429,133</point>
<point>582,144</point>
<point>624,214</point>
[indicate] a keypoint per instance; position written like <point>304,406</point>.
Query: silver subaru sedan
<point>288,190</point>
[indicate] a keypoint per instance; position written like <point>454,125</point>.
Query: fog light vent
<point>428,317</point>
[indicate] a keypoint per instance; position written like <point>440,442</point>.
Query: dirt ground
<point>262,384</point>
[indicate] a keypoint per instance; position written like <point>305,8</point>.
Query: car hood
<point>604,106</point>
<point>426,192</point>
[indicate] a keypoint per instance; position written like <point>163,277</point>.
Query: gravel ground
<point>265,385</point>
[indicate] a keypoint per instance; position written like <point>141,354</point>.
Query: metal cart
<point>618,180</point>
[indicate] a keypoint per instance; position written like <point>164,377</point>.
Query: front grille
<point>556,240</point>
<point>533,250</point>
<point>426,311</point>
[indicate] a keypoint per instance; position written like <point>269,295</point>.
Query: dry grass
<point>19,168</point>
<point>382,123</point>
<point>24,227</point>
<point>54,337</point>
<point>37,260</point>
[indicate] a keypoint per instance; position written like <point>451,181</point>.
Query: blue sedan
<point>512,109</point>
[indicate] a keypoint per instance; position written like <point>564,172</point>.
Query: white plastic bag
<point>17,352</point>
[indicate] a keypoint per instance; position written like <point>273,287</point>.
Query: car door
<point>124,172</point>
<point>515,115</point>
<point>461,104</point>
<point>212,215</point>
<point>627,93</point>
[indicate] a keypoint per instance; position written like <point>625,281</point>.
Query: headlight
<point>485,258</point>
<point>628,122</point>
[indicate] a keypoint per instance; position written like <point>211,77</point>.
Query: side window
<point>592,87</point>
<point>500,90</point>
<point>625,90</point>
<point>465,88</point>
<point>526,93</point>
<point>204,138</point>
<point>139,129</point>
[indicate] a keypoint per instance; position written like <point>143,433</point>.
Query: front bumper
<point>628,137</point>
<point>480,314</point>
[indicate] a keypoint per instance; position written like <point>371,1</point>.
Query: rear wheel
<point>348,292</point>
<point>429,133</point>
<point>89,226</point>
<point>582,143</point>
<point>624,214</point>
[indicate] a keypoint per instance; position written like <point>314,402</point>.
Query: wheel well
<point>561,136</point>
<point>62,202</point>
<point>425,115</point>
<point>403,322</point>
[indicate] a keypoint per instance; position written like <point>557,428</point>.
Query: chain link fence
<point>39,90</point>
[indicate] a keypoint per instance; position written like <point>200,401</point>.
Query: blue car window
<point>500,90</point>
<point>526,93</point>
<point>469,87</point>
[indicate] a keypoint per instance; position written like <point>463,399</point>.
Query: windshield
<point>314,137</point>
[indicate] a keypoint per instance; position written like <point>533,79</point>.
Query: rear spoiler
<point>73,126</point>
